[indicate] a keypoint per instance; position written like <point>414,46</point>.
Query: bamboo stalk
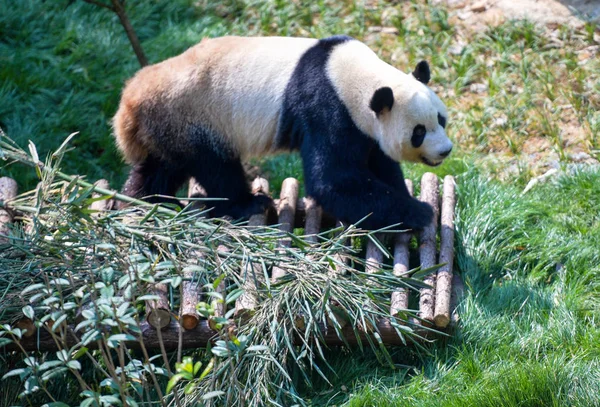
<point>287,215</point>
<point>246,303</point>
<point>444,274</point>
<point>399,300</point>
<point>427,248</point>
<point>158,314</point>
<point>8,191</point>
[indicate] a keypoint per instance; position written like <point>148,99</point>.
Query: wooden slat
<point>444,275</point>
<point>158,314</point>
<point>427,247</point>
<point>246,303</point>
<point>314,214</point>
<point>287,214</point>
<point>399,301</point>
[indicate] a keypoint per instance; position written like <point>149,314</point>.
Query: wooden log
<point>458,293</point>
<point>427,248</point>
<point>8,191</point>
<point>190,291</point>
<point>327,220</point>
<point>314,213</point>
<point>219,306</point>
<point>27,326</point>
<point>374,256</point>
<point>246,303</point>
<point>105,204</point>
<point>200,336</point>
<point>444,275</point>
<point>338,258</point>
<point>399,301</point>
<point>190,297</point>
<point>158,314</point>
<point>286,212</point>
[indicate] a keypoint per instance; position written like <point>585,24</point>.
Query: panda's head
<point>411,120</point>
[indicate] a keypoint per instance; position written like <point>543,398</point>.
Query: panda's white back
<point>246,79</point>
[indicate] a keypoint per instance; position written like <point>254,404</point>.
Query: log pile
<point>436,303</point>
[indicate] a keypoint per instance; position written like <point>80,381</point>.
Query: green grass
<point>530,334</point>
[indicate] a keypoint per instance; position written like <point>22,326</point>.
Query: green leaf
<point>56,404</point>
<point>174,380</point>
<point>234,295</point>
<point>28,312</point>
<point>16,372</point>
<point>189,388</point>
<point>74,364</point>
<point>32,288</point>
<point>207,369</point>
<point>197,367</point>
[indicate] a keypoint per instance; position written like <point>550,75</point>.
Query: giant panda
<point>352,116</point>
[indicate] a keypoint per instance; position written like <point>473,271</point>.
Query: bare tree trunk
<point>118,7</point>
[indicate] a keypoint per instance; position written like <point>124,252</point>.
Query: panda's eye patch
<point>418,135</point>
<point>442,120</point>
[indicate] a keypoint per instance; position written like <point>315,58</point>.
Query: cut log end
<point>26,325</point>
<point>159,318</point>
<point>189,321</point>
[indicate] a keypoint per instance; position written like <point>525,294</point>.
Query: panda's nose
<point>446,153</point>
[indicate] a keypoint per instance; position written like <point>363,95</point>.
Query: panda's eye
<point>442,120</point>
<point>418,135</point>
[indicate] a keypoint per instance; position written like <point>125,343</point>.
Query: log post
<point>8,191</point>
<point>189,300</point>
<point>27,326</point>
<point>427,248</point>
<point>399,301</point>
<point>190,291</point>
<point>158,313</point>
<point>246,303</point>
<point>220,307</point>
<point>374,257</point>
<point>444,274</point>
<point>287,214</point>
<point>314,214</point>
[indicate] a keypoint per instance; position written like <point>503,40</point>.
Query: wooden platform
<point>436,304</point>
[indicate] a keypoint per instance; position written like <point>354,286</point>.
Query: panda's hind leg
<point>155,180</point>
<point>222,176</point>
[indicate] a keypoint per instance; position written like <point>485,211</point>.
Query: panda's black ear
<point>422,72</point>
<point>382,98</point>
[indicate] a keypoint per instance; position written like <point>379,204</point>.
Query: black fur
<point>214,166</point>
<point>422,72</point>
<point>344,169</point>
<point>383,98</point>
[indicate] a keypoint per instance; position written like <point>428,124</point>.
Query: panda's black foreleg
<point>386,169</point>
<point>155,181</point>
<point>352,193</point>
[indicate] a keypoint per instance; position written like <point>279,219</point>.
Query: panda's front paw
<point>417,215</point>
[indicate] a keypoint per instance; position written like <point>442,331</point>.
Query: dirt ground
<point>481,13</point>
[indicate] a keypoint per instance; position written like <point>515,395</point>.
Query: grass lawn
<point>522,99</point>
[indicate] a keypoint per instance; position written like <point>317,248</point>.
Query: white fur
<point>356,73</point>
